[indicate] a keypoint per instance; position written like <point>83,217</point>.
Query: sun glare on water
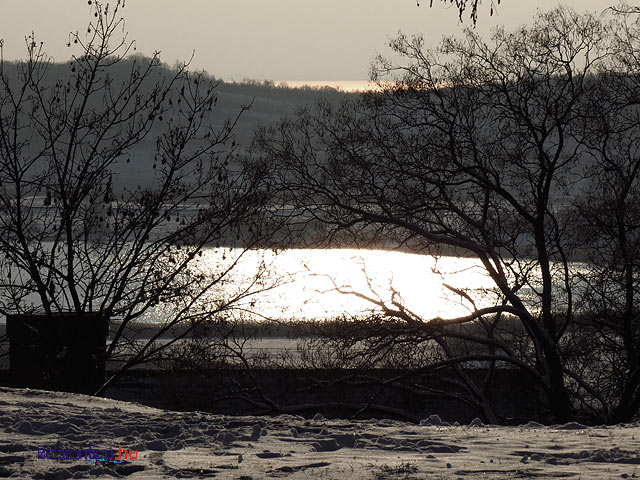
<point>321,284</point>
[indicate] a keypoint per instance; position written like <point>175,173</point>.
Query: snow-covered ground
<point>199,445</point>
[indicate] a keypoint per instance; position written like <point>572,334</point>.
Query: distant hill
<point>269,103</point>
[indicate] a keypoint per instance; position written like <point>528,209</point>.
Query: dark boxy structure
<point>64,352</point>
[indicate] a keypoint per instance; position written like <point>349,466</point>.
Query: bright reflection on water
<point>312,276</point>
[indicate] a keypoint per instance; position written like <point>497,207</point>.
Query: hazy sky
<point>260,39</point>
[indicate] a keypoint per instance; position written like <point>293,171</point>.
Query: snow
<point>199,445</point>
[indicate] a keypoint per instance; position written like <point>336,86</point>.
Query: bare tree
<point>624,8</point>
<point>467,5</point>
<point>113,178</point>
<point>478,149</point>
<point>608,218</point>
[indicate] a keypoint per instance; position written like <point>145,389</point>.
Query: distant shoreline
<point>343,85</point>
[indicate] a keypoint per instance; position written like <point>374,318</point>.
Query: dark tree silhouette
<point>113,177</point>
<point>608,219</point>
<point>487,149</point>
<point>470,6</point>
<point>625,9</point>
